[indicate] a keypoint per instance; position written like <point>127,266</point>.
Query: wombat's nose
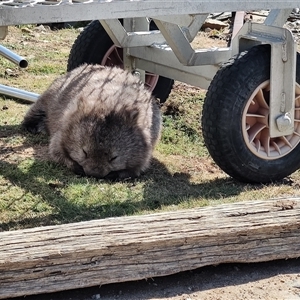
<point>78,169</point>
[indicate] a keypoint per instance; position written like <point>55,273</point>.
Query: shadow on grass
<point>160,188</point>
<point>8,130</point>
<point>163,188</point>
<point>44,190</point>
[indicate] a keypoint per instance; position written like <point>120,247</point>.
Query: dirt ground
<point>276,280</point>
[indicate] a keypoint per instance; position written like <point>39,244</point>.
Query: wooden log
<point>56,258</point>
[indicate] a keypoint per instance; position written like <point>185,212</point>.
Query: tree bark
<point>69,256</point>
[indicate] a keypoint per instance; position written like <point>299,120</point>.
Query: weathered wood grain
<point>55,258</point>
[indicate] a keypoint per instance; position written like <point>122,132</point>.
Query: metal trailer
<point>251,113</point>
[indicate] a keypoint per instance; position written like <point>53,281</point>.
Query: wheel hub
<point>114,57</point>
<point>255,126</point>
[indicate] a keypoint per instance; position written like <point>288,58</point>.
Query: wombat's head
<point>111,146</point>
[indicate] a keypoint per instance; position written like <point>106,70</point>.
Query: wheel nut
<point>284,122</point>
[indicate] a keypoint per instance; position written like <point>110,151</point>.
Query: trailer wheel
<point>235,121</point>
<point>94,46</point>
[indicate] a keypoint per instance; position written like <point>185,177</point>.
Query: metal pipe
<point>18,93</point>
<point>13,57</point>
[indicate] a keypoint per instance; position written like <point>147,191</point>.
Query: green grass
<point>181,130</point>
<point>36,192</point>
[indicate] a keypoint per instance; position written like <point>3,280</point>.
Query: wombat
<point>102,122</point>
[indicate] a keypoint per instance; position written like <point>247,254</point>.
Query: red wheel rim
<point>114,57</point>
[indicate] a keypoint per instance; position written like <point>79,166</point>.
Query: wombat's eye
<point>113,158</point>
<point>84,153</point>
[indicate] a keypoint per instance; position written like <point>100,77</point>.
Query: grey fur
<point>102,122</point>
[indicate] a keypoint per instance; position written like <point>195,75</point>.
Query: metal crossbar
<point>15,12</point>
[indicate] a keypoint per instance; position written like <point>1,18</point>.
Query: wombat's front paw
<point>34,123</point>
<point>32,128</point>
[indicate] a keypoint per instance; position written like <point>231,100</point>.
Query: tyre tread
<point>228,86</point>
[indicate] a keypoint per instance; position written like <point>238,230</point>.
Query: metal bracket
<point>178,37</point>
<point>277,17</point>
<point>180,44</point>
<point>136,35</point>
<point>134,25</point>
<point>282,73</point>
<point>189,24</point>
<point>126,38</point>
<point>160,59</point>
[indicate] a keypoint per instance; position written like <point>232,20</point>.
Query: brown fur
<point>102,122</point>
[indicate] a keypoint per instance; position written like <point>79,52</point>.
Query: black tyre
<point>94,46</point>
<point>235,121</point>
